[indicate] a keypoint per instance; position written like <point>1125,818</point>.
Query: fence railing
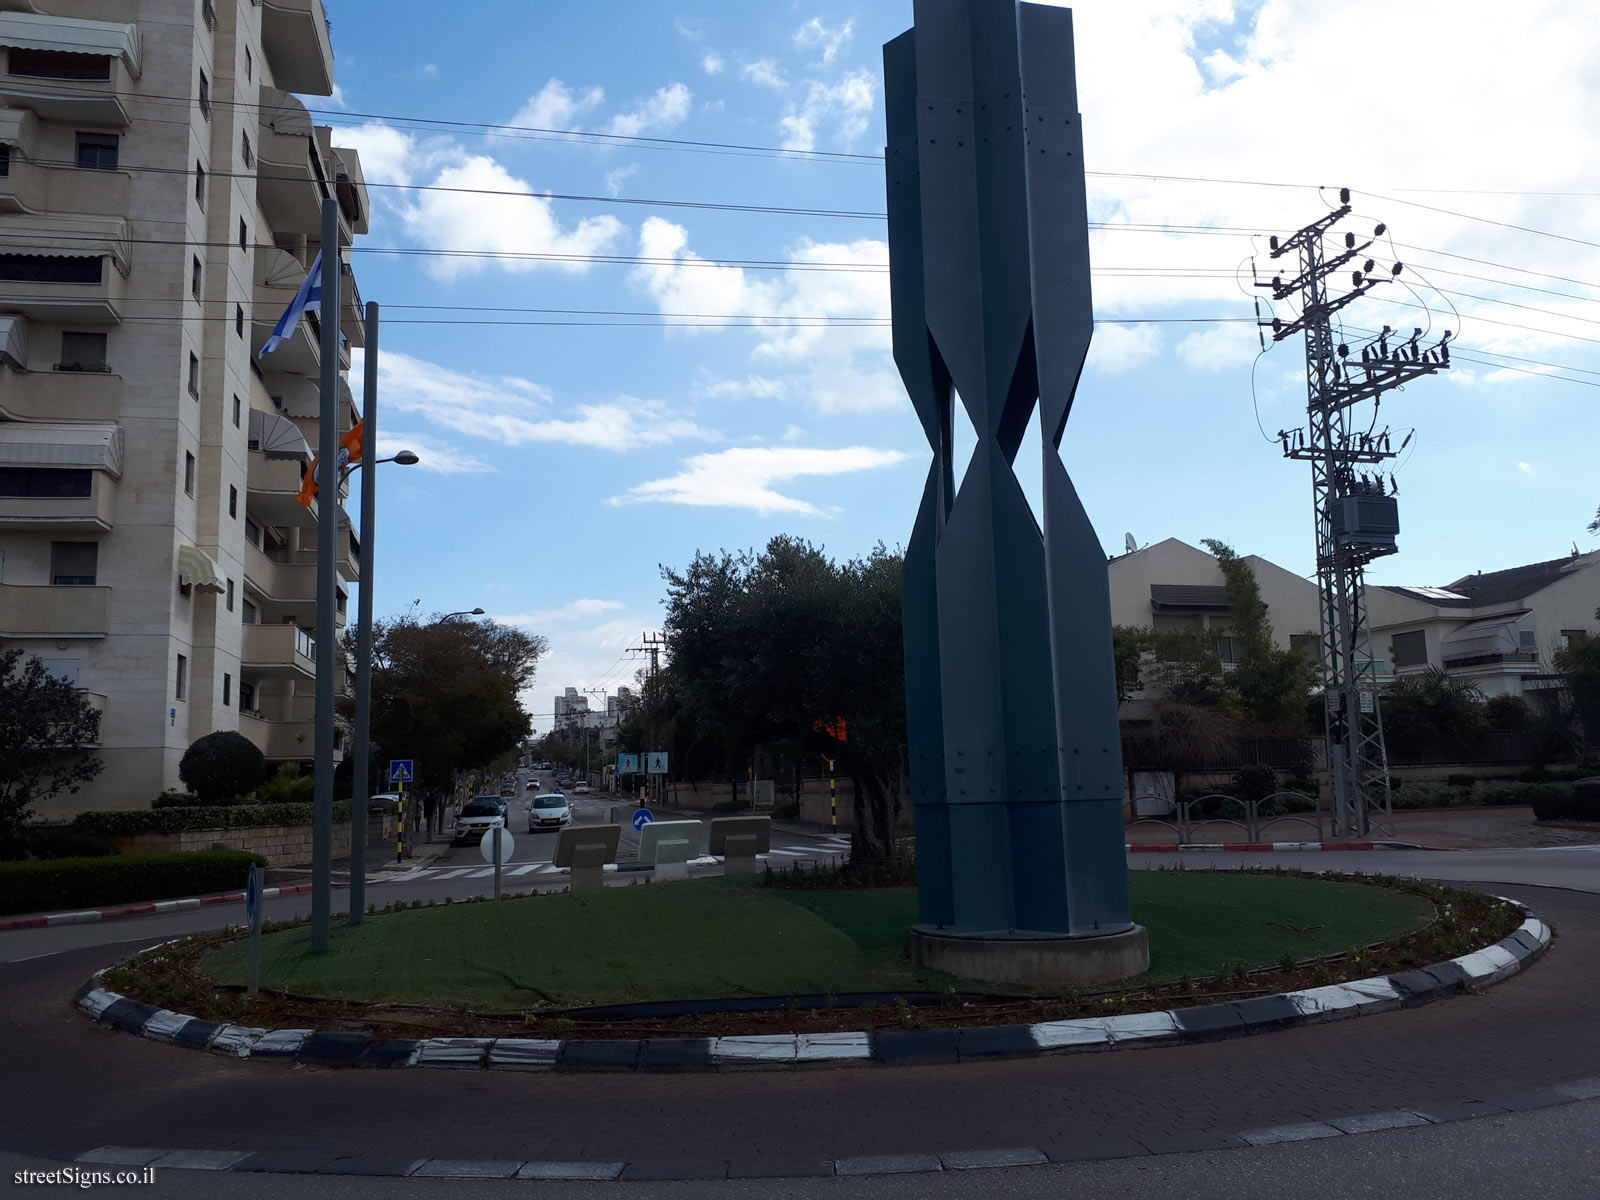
<point>1250,817</point>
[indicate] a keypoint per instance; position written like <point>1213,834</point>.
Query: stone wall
<point>280,845</point>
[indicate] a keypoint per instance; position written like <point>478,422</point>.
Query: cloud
<point>518,412</point>
<point>1525,467</point>
<point>1218,348</point>
<point>615,179</point>
<point>556,106</point>
<point>1118,348</point>
<point>814,35</point>
<point>847,104</point>
<point>430,69</point>
<point>432,454</point>
<point>712,64</point>
<point>661,112</point>
<point>578,610</point>
<point>766,73</point>
<point>752,387</point>
<point>743,477</point>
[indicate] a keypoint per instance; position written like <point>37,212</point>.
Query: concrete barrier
<point>585,850</point>
<point>737,840</point>
<point>669,845</point>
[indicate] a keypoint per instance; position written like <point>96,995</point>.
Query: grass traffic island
<point>520,966</point>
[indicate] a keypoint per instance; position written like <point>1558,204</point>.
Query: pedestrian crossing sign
<point>656,762</point>
<point>400,770</point>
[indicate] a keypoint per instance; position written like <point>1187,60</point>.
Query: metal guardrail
<point>1250,821</point>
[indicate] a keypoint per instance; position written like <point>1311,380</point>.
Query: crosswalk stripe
<point>525,870</point>
<point>453,874</point>
<point>482,874</point>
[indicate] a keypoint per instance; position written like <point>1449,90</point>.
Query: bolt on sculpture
<point>1016,762</point>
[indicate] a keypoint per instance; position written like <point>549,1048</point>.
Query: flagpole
<point>369,488</point>
<point>327,554</point>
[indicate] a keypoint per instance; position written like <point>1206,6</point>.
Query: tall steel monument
<point>1016,763</point>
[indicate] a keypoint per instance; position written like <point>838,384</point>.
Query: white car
<point>478,816</point>
<point>549,811</point>
<point>582,789</point>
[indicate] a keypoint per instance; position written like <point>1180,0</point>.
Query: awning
<point>14,339</point>
<point>68,237</point>
<point>71,35</point>
<point>80,447</point>
<point>1488,636</point>
<point>277,437</point>
<point>18,129</point>
<point>197,569</point>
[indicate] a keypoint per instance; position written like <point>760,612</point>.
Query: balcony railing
<point>49,611</point>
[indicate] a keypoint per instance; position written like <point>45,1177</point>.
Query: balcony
<point>29,188</point>
<point>350,183</point>
<point>54,612</point>
<point>280,739</point>
<point>280,582</point>
<point>291,179</point>
<point>67,269</point>
<point>352,320</point>
<point>274,488</point>
<point>278,651</point>
<point>298,45</point>
<point>67,69</point>
<point>61,396</point>
<point>349,555</point>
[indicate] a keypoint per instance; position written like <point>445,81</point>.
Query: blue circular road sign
<point>642,818</point>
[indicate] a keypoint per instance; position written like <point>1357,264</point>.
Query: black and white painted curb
<point>306,1162</point>
<point>1211,1022</point>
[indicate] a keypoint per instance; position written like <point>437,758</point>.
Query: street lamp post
<point>369,494</point>
<point>466,612</point>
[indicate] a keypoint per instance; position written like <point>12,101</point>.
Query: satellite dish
<point>1129,544</point>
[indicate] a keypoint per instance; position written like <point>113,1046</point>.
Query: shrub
<point>1254,782</point>
<point>786,812</point>
<point>221,766</point>
<point>1552,791</point>
<point>1304,784</point>
<point>174,820</point>
<point>1581,803</point>
<point>63,841</point>
<point>172,798</point>
<point>89,882</point>
<point>288,786</point>
<point>1427,795</point>
<point>1462,781</point>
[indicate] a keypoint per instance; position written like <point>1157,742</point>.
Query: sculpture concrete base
<point>1042,961</point>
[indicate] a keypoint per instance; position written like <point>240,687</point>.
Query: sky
<point>605,368</point>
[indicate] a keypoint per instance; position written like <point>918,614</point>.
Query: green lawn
<point>717,937</point>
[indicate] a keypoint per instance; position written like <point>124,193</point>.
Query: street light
<point>369,493</point>
<point>473,612</point>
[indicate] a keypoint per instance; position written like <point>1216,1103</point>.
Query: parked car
<point>478,816</point>
<point>549,811</point>
<point>581,789</point>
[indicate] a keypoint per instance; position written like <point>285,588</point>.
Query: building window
<point>97,151</point>
<point>230,595</point>
<point>249,158</point>
<point>194,375</point>
<point>233,502</point>
<point>252,533</point>
<point>57,64</point>
<point>1410,649</point>
<point>183,678</point>
<point>247,697</point>
<point>200,185</point>
<point>5,159</point>
<point>238,323</point>
<point>208,14</point>
<point>236,407</point>
<point>36,268</point>
<point>1571,637</point>
<point>227,689</point>
<point>249,64</point>
<point>188,472</point>
<point>205,96</point>
<point>195,276</point>
<point>244,235</point>
<point>46,483</point>
<point>82,352</point>
<point>72,564</point>
<point>62,668</point>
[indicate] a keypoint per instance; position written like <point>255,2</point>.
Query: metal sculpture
<point>1016,764</point>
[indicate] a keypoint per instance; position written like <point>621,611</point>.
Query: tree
<point>445,693</point>
<point>1269,684</point>
<point>222,766</point>
<point>784,645</point>
<point>46,729</point>
<point>1432,712</point>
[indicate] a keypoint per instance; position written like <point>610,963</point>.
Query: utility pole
<point>652,644</point>
<point>1355,514</point>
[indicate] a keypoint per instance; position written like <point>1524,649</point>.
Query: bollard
<point>588,866</point>
<point>739,855</point>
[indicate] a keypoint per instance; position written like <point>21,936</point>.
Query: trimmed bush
<point>1464,781</point>
<point>1553,792</point>
<point>222,766</point>
<point>1254,782</point>
<point>172,798</point>
<point>1580,803</point>
<point>63,841</point>
<point>1428,795</point>
<point>175,820</point>
<point>90,882</point>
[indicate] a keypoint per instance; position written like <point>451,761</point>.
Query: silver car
<point>550,811</point>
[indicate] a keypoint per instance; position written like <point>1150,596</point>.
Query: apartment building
<point>160,197</point>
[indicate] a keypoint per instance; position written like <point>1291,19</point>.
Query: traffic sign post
<point>627,764</point>
<point>656,762</point>
<point>401,772</point>
<point>252,913</point>
<point>496,846</point>
<point>642,818</point>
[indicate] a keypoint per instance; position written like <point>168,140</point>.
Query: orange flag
<point>350,450</point>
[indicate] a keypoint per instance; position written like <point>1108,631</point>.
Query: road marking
<point>453,874</point>
<point>481,874</point>
<point>530,867</point>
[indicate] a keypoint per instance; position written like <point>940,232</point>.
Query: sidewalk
<point>1507,828</point>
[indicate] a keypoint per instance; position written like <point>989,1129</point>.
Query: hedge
<point>175,820</point>
<point>1581,803</point>
<point>63,883</point>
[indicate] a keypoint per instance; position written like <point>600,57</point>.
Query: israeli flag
<point>309,297</point>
